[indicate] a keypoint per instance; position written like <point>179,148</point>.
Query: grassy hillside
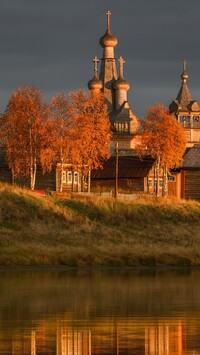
<point>86,231</point>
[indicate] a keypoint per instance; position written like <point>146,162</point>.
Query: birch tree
<point>164,140</point>
<point>24,132</point>
<point>92,130</point>
<point>62,134</point>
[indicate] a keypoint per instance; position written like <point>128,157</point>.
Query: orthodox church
<point>123,120</point>
<point>136,174</point>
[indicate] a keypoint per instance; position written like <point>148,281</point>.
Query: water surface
<point>56,312</point>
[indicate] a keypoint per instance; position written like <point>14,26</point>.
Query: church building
<point>134,174</point>
<point>187,111</point>
<point>111,82</point>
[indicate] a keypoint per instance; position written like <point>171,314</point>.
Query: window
<point>185,121</point>
<point>121,127</point>
<point>75,177</point>
<point>64,177</point>
<point>196,121</point>
<point>69,177</point>
<point>150,183</point>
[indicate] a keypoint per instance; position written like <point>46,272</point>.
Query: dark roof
<point>191,158</point>
<point>184,97</point>
<point>128,167</point>
<point>184,100</point>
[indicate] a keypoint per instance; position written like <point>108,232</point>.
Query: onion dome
<point>95,83</point>
<point>184,76</point>
<point>121,84</point>
<point>108,40</point>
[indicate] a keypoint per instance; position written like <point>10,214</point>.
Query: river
<point>86,312</point>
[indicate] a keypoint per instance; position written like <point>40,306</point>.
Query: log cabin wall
<point>192,184</point>
<point>124,185</point>
<point>45,181</point>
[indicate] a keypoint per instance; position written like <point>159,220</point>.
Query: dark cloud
<point>50,44</point>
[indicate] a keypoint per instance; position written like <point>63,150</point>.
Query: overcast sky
<point>49,44</point>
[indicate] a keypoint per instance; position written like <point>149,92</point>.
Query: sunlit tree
<point>62,130</point>
<point>23,128</point>
<point>92,130</point>
<point>164,140</point>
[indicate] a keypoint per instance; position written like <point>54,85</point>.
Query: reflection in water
<point>86,313</point>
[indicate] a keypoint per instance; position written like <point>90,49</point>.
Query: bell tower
<point>186,110</point>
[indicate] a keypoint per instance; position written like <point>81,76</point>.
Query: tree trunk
<point>89,181</point>
<point>164,187</point>
<point>34,173</point>
<point>157,176</point>
<point>13,178</point>
<point>82,182</point>
<point>72,181</point>
<point>61,172</point>
<point>61,177</point>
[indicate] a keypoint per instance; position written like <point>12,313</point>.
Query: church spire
<point>184,101</point>
<point>108,71</point>
<point>184,97</point>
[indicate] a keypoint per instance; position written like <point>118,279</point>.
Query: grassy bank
<point>83,231</point>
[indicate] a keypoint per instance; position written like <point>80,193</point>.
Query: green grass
<point>94,231</point>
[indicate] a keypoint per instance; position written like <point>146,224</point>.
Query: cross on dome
<point>184,76</point>
<point>108,14</point>
<point>121,66</point>
<point>184,65</point>
<point>95,61</point>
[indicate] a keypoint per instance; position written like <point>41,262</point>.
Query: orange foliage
<point>92,129</point>
<point>81,131</point>
<point>71,130</point>
<point>162,137</point>
<point>24,131</point>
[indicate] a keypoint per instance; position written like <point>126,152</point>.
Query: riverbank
<point>94,231</point>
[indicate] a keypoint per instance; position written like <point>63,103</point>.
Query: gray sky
<point>49,44</point>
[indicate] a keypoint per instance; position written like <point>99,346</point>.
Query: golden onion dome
<point>121,84</point>
<point>184,76</point>
<point>95,84</point>
<point>108,40</point>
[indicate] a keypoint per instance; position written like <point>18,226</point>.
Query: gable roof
<point>191,159</point>
<point>128,167</point>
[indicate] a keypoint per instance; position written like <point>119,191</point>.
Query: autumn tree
<point>63,130</point>
<point>81,132</point>
<point>92,130</point>
<point>164,140</point>
<point>23,129</point>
